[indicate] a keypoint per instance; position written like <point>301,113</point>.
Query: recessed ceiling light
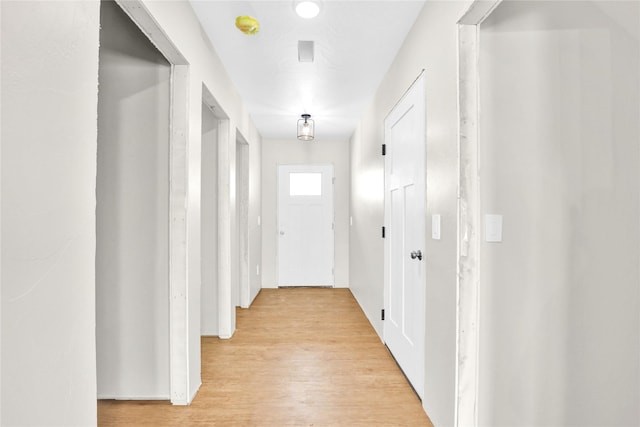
<point>307,9</point>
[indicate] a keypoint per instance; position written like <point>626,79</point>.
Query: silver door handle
<point>416,254</point>
<point>282,233</point>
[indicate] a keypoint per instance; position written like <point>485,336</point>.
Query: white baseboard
<point>112,397</point>
<point>195,392</point>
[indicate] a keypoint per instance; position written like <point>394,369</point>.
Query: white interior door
<point>305,225</point>
<point>404,327</point>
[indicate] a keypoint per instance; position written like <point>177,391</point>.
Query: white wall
<point>132,214</point>
<point>209,242</point>
<point>560,132</point>
<point>255,220</point>
<point>276,152</point>
<point>50,71</point>
<point>431,45</point>
<point>49,98</point>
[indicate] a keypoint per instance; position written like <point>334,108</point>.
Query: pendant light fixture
<point>305,128</point>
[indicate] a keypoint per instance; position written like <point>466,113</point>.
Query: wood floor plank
<point>299,357</point>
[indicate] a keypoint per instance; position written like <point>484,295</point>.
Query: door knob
<point>282,233</point>
<point>416,254</point>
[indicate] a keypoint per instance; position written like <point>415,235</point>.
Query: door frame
<point>333,214</point>
<point>468,218</point>
<point>178,200</point>
<point>222,135</point>
<point>242,220</point>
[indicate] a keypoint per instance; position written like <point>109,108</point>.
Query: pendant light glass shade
<point>305,128</point>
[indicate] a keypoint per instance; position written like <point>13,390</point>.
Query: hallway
<point>300,356</point>
<point>116,259</point>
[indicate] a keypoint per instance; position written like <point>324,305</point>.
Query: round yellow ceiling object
<point>247,24</point>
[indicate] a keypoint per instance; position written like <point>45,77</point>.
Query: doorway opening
<point>215,208</point>
<point>209,220</point>
<point>132,213</point>
<point>160,329</point>
<point>240,272</point>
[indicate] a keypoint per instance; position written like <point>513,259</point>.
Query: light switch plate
<point>492,228</point>
<point>435,226</point>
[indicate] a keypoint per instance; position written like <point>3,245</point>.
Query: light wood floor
<point>299,357</point>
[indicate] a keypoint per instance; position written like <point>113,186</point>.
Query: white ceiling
<point>355,43</point>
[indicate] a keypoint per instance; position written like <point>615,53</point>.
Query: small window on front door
<point>305,184</point>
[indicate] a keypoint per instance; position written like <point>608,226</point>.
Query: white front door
<point>305,225</point>
<point>404,303</point>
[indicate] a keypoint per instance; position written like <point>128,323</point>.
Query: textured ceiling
<point>355,43</point>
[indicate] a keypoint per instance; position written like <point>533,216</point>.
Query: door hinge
<point>383,232</point>
<point>384,149</point>
<point>382,314</point>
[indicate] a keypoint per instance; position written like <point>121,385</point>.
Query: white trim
<point>178,198</point>
<point>94,292</point>
<point>478,12</point>
<point>178,185</point>
<point>468,268</point>
<point>226,312</point>
<point>404,94</point>
<point>140,15</point>
<point>195,392</point>
<point>468,228</point>
<point>140,397</point>
<point>222,120</point>
<point>242,213</point>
